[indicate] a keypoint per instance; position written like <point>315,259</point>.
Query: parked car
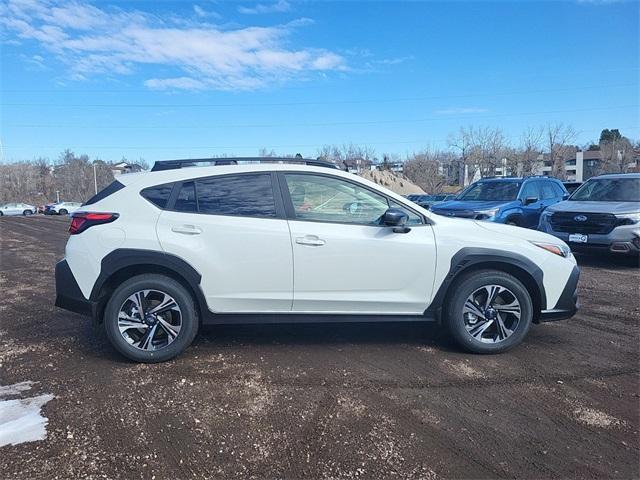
<point>155,255</point>
<point>571,186</point>
<point>17,209</point>
<point>428,201</point>
<point>603,214</point>
<point>514,201</point>
<point>61,208</point>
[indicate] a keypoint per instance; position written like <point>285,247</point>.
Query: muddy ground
<point>322,401</point>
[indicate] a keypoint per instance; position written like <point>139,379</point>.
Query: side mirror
<point>565,196</point>
<point>530,200</point>
<point>397,218</point>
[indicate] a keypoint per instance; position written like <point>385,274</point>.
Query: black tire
<point>1,214</point>
<point>62,211</point>
<point>513,222</point>
<point>27,212</point>
<point>463,289</point>
<point>163,284</point>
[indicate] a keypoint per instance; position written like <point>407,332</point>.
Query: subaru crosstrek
<point>514,201</point>
<point>155,255</point>
<point>602,215</point>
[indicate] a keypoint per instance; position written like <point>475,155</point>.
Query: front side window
<point>547,190</point>
<point>529,190</point>
<point>237,195</point>
<point>491,191</point>
<point>327,199</point>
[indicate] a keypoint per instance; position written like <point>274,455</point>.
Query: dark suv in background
<point>603,214</point>
<point>514,201</point>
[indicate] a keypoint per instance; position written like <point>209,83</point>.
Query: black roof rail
<point>192,162</point>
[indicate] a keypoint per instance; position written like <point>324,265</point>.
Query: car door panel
<point>353,264</point>
<point>362,269</point>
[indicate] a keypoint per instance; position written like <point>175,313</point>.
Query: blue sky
<point>193,79</point>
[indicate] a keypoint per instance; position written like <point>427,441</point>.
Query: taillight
<point>80,221</point>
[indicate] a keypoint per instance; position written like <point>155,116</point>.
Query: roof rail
<point>192,162</point>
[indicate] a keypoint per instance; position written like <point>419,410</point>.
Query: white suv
<point>155,255</point>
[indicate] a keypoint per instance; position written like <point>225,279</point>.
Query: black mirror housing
<point>530,200</point>
<point>397,218</point>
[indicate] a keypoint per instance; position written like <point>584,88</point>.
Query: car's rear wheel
<point>489,311</point>
<point>63,211</point>
<point>27,212</point>
<point>151,318</point>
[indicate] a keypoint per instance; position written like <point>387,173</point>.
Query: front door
<point>229,229</point>
<point>344,260</point>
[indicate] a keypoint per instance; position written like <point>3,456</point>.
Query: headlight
<point>486,214</point>
<point>628,218</point>
<point>561,250</point>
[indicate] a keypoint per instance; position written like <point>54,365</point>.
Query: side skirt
<point>273,318</point>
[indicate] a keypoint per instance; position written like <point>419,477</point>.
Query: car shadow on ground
<point>608,260</point>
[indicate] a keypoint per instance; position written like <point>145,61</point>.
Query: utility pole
<point>95,178</point>
<point>57,196</point>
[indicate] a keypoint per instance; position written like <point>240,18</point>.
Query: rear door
<point>345,261</point>
<point>231,229</point>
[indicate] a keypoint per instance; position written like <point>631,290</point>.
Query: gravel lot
<point>321,401</point>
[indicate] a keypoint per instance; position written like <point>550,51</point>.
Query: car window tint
<point>491,191</point>
<point>327,199</point>
<point>529,190</point>
<point>158,195</point>
<point>547,190</point>
<point>186,201</point>
<point>239,195</point>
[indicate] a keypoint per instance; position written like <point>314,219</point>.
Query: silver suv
<point>603,214</point>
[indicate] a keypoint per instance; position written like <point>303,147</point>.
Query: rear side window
<point>113,187</point>
<point>158,195</point>
<point>237,195</point>
<point>186,200</point>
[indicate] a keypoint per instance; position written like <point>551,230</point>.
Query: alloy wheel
<point>149,320</point>
<point>491,314</point>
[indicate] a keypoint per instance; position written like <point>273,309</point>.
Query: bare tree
<point>559,138</point>
<point>461,141</point>
<point>616,152</point>
<point>527,156</point>
<point>488,146</point>
<point>425,170</point>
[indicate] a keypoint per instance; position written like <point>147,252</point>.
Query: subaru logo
<point>580,218</point>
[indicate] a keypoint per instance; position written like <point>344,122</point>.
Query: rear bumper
<point>68,294</point>
<point>567,304</point>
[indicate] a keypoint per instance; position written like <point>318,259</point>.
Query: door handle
<point>310,240</point>
<point>187,229</point>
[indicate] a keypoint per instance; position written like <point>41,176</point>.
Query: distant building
<point>124,167</point>
<point>357,165</point>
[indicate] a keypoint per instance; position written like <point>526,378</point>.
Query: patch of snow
<point>20,419</point>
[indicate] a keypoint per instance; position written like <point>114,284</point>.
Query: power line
<point>317,124</point>
<point>424,141</point>
<point>307,103</point>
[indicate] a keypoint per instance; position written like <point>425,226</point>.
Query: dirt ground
<point>322,401</point>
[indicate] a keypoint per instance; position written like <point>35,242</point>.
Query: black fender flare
<point>468,257</point>
<point>123,258</point>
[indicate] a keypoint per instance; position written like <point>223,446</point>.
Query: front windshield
<point>609,190</point>
<point>491,191</point>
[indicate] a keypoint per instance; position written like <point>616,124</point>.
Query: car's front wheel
<point>27,212</point>
<point>151,318</point>
<point>62,211</point>
<point>489,311</point>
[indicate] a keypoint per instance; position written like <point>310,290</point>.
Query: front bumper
<point>68,294</point>
<point>622,239</point>
<point>567,304</point>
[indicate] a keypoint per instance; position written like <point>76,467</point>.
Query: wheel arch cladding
<point>122,264</point>
<point>471,259</point>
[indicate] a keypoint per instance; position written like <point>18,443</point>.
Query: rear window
<point>158,195</point>
<point>113,187</point>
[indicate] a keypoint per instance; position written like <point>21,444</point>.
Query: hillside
<point>396,182</point>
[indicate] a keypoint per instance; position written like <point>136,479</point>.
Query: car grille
<point>576,222</point>
<point>456,213</point>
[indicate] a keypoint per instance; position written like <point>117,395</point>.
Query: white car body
<point>17,209</point>
<point>285,266</point>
